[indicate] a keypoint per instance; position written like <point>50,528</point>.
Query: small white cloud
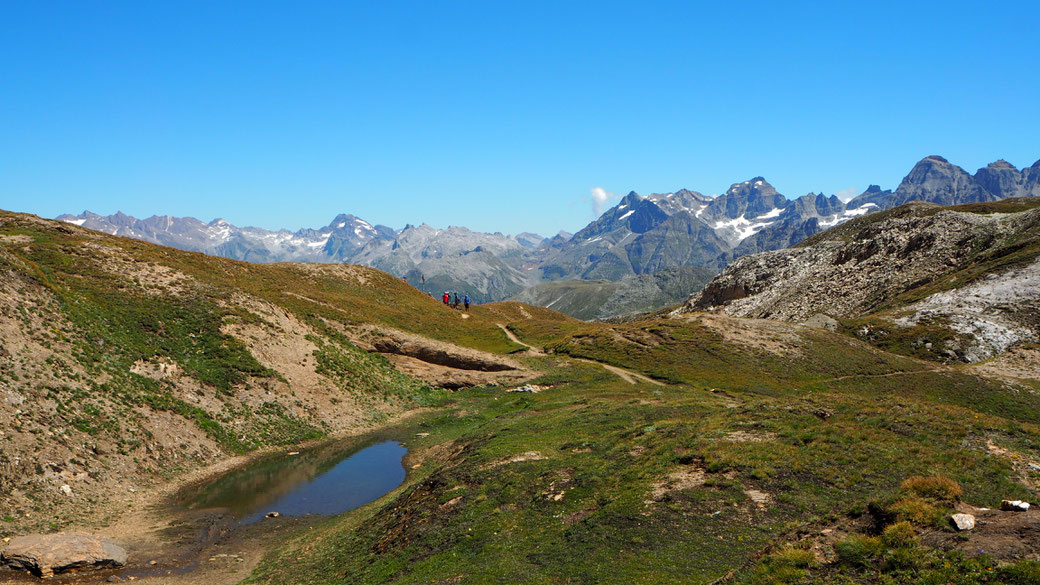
<point>599,198</point>
<point>846,195</point>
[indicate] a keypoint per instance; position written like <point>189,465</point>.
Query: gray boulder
<point>47,554</point>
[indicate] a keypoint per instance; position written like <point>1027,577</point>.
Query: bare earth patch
<point>681,479</point>
<point>19,239</point>
<point>751,437</point>
<point>771,336</point>
<point>1018,363</point>
<point>522,457</point>
<point>760,498</point>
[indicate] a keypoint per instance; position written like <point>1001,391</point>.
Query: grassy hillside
<point>118,354</point>
<point>764,436</point>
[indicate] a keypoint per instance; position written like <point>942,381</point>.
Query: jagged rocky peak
<point>935,179</point>
<point>748,199</point>
<point>1001,164</point>
<point>757,185</point>
<point>816,205</point>
<point>933,167</point>
<point>681,200</point>
<point>999,178</point>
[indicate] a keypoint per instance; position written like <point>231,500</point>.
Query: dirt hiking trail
<point>626,375</point>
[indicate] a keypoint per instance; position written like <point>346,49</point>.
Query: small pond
<point>326,480</point>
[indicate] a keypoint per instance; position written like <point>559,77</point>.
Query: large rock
<point>47,554</point>
<point>963,521</point>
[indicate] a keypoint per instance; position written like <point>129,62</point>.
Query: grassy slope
<point>86,296</point>
<point>820,444</point>
<point>309,290</point>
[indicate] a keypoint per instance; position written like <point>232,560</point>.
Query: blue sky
<point>493,115</point>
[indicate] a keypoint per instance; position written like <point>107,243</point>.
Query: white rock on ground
<point>1014,505</point>
<point>47,554</point>
<point>532,388</point>
<point>963,521</point>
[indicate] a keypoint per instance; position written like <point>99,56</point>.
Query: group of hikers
<point>455,303</point>
<point>447,298</point>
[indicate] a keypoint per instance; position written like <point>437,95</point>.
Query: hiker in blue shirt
<point>466,302</point>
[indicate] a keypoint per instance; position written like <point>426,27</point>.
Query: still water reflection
<point>326,480</point>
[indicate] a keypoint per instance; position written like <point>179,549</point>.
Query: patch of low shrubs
<point>938,488</point>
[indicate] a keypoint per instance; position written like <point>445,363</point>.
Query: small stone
<point>1014,505</point>
<point>293,453</point>
<point>1034,467</point>
<point>963,521</point>
<point>422,434</point>
<point>272,515</point>
<point>65,489</point>
<point>532,388</point>
<point>152,563</point>
<point>113,579</point>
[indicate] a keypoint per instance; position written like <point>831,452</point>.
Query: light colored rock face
<point>986,310</point>
<point>871,262</point>
<point>963,521</point>
<point>47,554</point>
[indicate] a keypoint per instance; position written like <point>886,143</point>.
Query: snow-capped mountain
<point>486,266</point>
<point>639,235</point>
<point>336,242</point>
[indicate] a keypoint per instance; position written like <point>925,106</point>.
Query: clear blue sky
<point>500,116</point>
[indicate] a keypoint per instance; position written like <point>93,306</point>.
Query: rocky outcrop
<point>395,342</point>
<point>48,554</point>
<point>864,265</point>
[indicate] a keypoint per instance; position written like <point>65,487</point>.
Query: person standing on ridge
<point>456,305</point>
<point>445,298</point>
<point>465,301</point>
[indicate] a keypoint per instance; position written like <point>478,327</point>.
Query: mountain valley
<point>682,446</point>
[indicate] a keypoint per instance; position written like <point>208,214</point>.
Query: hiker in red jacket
<point>445,299</point>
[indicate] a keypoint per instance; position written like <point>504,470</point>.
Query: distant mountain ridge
<point>935,180</point>
<point>641,235</point>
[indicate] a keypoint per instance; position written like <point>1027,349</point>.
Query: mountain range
<point>641,235</point>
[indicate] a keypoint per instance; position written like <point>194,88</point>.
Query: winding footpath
<point>626,375</point>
